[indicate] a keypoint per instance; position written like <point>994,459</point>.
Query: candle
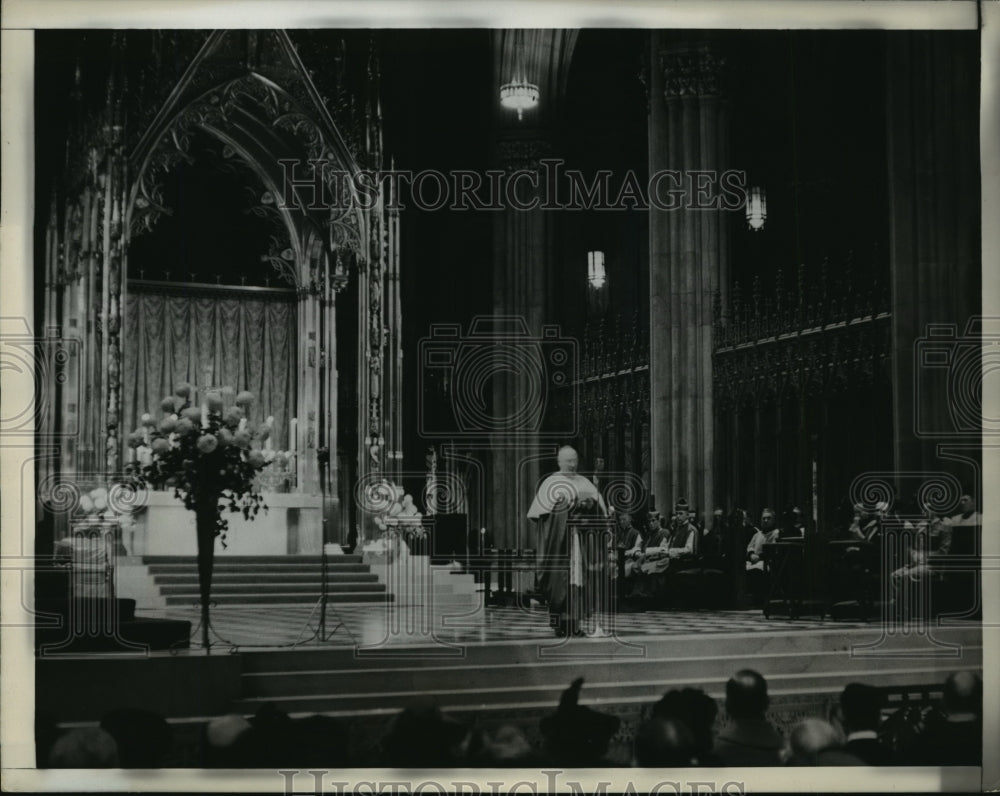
<point>269,442</point>
<point>204,415</point>
<point>293,429</point>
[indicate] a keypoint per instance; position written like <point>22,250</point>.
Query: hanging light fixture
<point>596,275</point>
<point>518,94</point>
<point>756,209</point>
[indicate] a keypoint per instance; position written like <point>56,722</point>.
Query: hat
<point>681,505</point>
<point>578,728</point>
<point>224,731</point>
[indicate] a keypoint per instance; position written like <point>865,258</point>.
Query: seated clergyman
<point>665,547</point>
<point>933,536</point>
<point>629,545</point>
<point>755,575</point>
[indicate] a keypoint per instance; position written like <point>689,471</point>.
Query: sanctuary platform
<point>496,666</point>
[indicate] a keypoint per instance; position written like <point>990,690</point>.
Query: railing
<point>840,294</point>
<point>613,346</point>
<point>818,336</point>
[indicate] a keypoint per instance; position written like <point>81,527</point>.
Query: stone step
<point>282,597</point>
<point>638,672</point>
<point>222,558</point>
<point>669,646</point>
<point>616,692</point>
<point>230,567</point>
<point>265,577</point>
<point>253,590</point>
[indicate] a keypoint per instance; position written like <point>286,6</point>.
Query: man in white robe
<point>565,504</point>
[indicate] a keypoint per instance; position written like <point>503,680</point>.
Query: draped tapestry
<point>249,342</point>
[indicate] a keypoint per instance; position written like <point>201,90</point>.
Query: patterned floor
<point>264,626</point>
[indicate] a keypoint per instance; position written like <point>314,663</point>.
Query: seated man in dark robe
<point>628,547</point>
<point>666,550</point>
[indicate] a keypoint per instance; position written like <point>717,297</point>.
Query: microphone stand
<point>320,634</point>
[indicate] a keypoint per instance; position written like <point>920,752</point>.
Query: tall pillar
<point>688,251</point>
<point>522,257</point>
<point>932,94</point>
<point>523,264</point>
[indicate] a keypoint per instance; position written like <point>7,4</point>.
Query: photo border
<point>21,17</point>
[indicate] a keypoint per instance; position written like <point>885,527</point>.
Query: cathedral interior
<point>399,277</point>
<point>733,359</point>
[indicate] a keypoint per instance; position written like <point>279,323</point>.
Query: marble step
<point>615,691</point>
<point>268,577</point>
<point>255,589</point>
<point>849,640</point>
<point>231,567</point>
<point>460,678</point>
<point>281,598</point>
<point>221,558</point>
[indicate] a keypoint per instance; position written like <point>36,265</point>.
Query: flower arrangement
<point>206,455</point>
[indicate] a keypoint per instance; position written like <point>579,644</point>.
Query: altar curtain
<point>249,342</point>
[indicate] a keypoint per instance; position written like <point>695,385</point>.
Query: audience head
<point>810,738</point>
<point>46,733</point>
<point>967,504</point>
<point>422,736</point>
<point>576,735</point>
<point>318,741</point>
<point>963,693</point>
<point>767,519</point>
<point>272,740</point>
<point>695,709</point>
<point>664,742</point>
<point>653,520</point>
<point>87,747</point>
<point>503,747</point>
<point>224,741</point>
<point>746,695</point>
<point>860,707</point>
<point>143,737</point>
<point>625,519</point>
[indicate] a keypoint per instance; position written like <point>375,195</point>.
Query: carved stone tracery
<point>692,72</point>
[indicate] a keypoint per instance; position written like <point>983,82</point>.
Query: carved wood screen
<point>802,389</point>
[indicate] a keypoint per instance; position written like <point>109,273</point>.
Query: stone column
<point>523,264</point>
<point>522,257</point>
<point>688,251</point>
<point>932,94</point>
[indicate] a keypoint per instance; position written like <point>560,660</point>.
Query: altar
<point>292,525</point>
